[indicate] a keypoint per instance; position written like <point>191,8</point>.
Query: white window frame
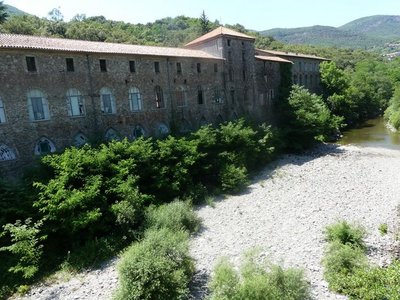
<point>3,118</point>
<point>107,95</point>
<point>52,147</point>
<point>76,103</point>
<point>135,100</point>
<point>38,106</point>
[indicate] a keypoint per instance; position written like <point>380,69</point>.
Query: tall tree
<point>204,23</point>
<point>3,12</point>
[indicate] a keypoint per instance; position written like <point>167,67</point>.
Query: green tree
<point>204,23</point>
<point>3,12</point>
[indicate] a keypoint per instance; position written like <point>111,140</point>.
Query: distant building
<point>55,93</point>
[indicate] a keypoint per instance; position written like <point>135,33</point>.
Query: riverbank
<point>284,211</point>
<point>290,203</point>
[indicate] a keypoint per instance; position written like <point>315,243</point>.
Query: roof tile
<point>220,31</point>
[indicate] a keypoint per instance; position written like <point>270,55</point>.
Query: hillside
<point>366,33</point>
<point>13,11</point>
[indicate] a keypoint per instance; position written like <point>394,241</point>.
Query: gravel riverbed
<point>284,211</point>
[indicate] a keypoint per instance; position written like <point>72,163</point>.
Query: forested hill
<point>173,32</point>
<point>13,11</point>
<point>366,33</point>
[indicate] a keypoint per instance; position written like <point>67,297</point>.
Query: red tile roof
<point>220,31</point>
<point>273,58</point>
<point>288,54</point>
<point>15,41</point>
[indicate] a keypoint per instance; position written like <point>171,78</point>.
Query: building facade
<point>55,93</point>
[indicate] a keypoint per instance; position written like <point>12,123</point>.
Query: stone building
<point>55,93</point>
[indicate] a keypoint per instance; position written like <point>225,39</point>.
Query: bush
<point>340,261</point>
<point>26,246</point>
<point>156,268</point>
<point>257,282</point>
<point>346,234</point>
<point>175,216</point>
<point>233,178</point>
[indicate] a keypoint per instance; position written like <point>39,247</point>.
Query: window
<point>300,66</point>
<point>44,146</point>
<point>178,68</point>
<point>200,95</point>
<point>38,106</point>
<point>135,99</point>
<point>244,74</point>
<point>75,103</point>
<point>180,97</point>
<point>107,101</point>
<point>232,94</point>
<point>103,65</point>
<point>272,94</point>
<point>138,132</point>
<point>112,134</point>
<point>229,57</point>
<point>162,130</point>
<point>215,68</point>
<point>217,96</point>
<point>80,140</point>
<point>6,153</point>
<point>132,66</point>
<point>159,97</point>
<point>230,74</point>
<point>243,56</point>
<point>70,64</point>
<point>228,41</point>
<point>198,68</point>
<point>2,112</point>
<point>157,67</point>
<point>31,64</point>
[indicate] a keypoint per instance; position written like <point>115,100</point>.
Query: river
<point>373,133</point>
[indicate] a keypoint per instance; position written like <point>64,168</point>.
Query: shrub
<point>340,261</point>
<point>346,233</point>
<point>383,228</point>
<point>156,268</point>
<point>26,246</point>
<point>175,216</point>
<point>233,178</point>
<point>256,281</point>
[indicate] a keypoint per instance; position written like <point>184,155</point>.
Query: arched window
<point>185,126</point>
<point>180,97</point>
<point>203,121</point>
<point>38,106</point>
<point>107,101</point>
<point>80,139</point>
<point>135,99</point>
<point>112,134</point>
<point>2,112</point>
<point>159,97</point>
<point>75,103</point>
<point>44,146</point>
<point>161,130</point>
<point>138,132</point>
<point>217,95</point>
<point>6,153</point>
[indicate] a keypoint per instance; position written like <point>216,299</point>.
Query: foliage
<point>26,245</point>
<point>310,119</point>
<point>257,281</point>
<point>348,271</point>
<point>233,178</point>
<point>3,12</point>
<point>204,23</point>
<point>177,215</point>
<point>392,113</point>
<point>383,228</point>
<point>346,234</point>
<point>156,268</point>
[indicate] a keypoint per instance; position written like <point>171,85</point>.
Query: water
<point>372,134</point>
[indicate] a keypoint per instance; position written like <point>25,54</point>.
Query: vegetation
<point>392,114</point>
<point>347,269</point>
<point>3,12</point>
<point>257,281</point>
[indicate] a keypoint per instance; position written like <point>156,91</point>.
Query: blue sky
<point>253,14</point>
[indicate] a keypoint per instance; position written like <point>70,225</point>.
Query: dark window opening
<point>229,57</point>
<point>198,68</point>
<point>70,64</point>
<point>31,64</point>
<point>244,74</point>
<point>103,65</point>
<point>243,56</point>
<point>228,42</point>
<point>132,66</point>
<point>230,73</point>
<point>178,68</point>
<point>156,67</point>
<point>159,97</point>
<point>215,68</point>
<point>232,92</point>
<point>200,97</point>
